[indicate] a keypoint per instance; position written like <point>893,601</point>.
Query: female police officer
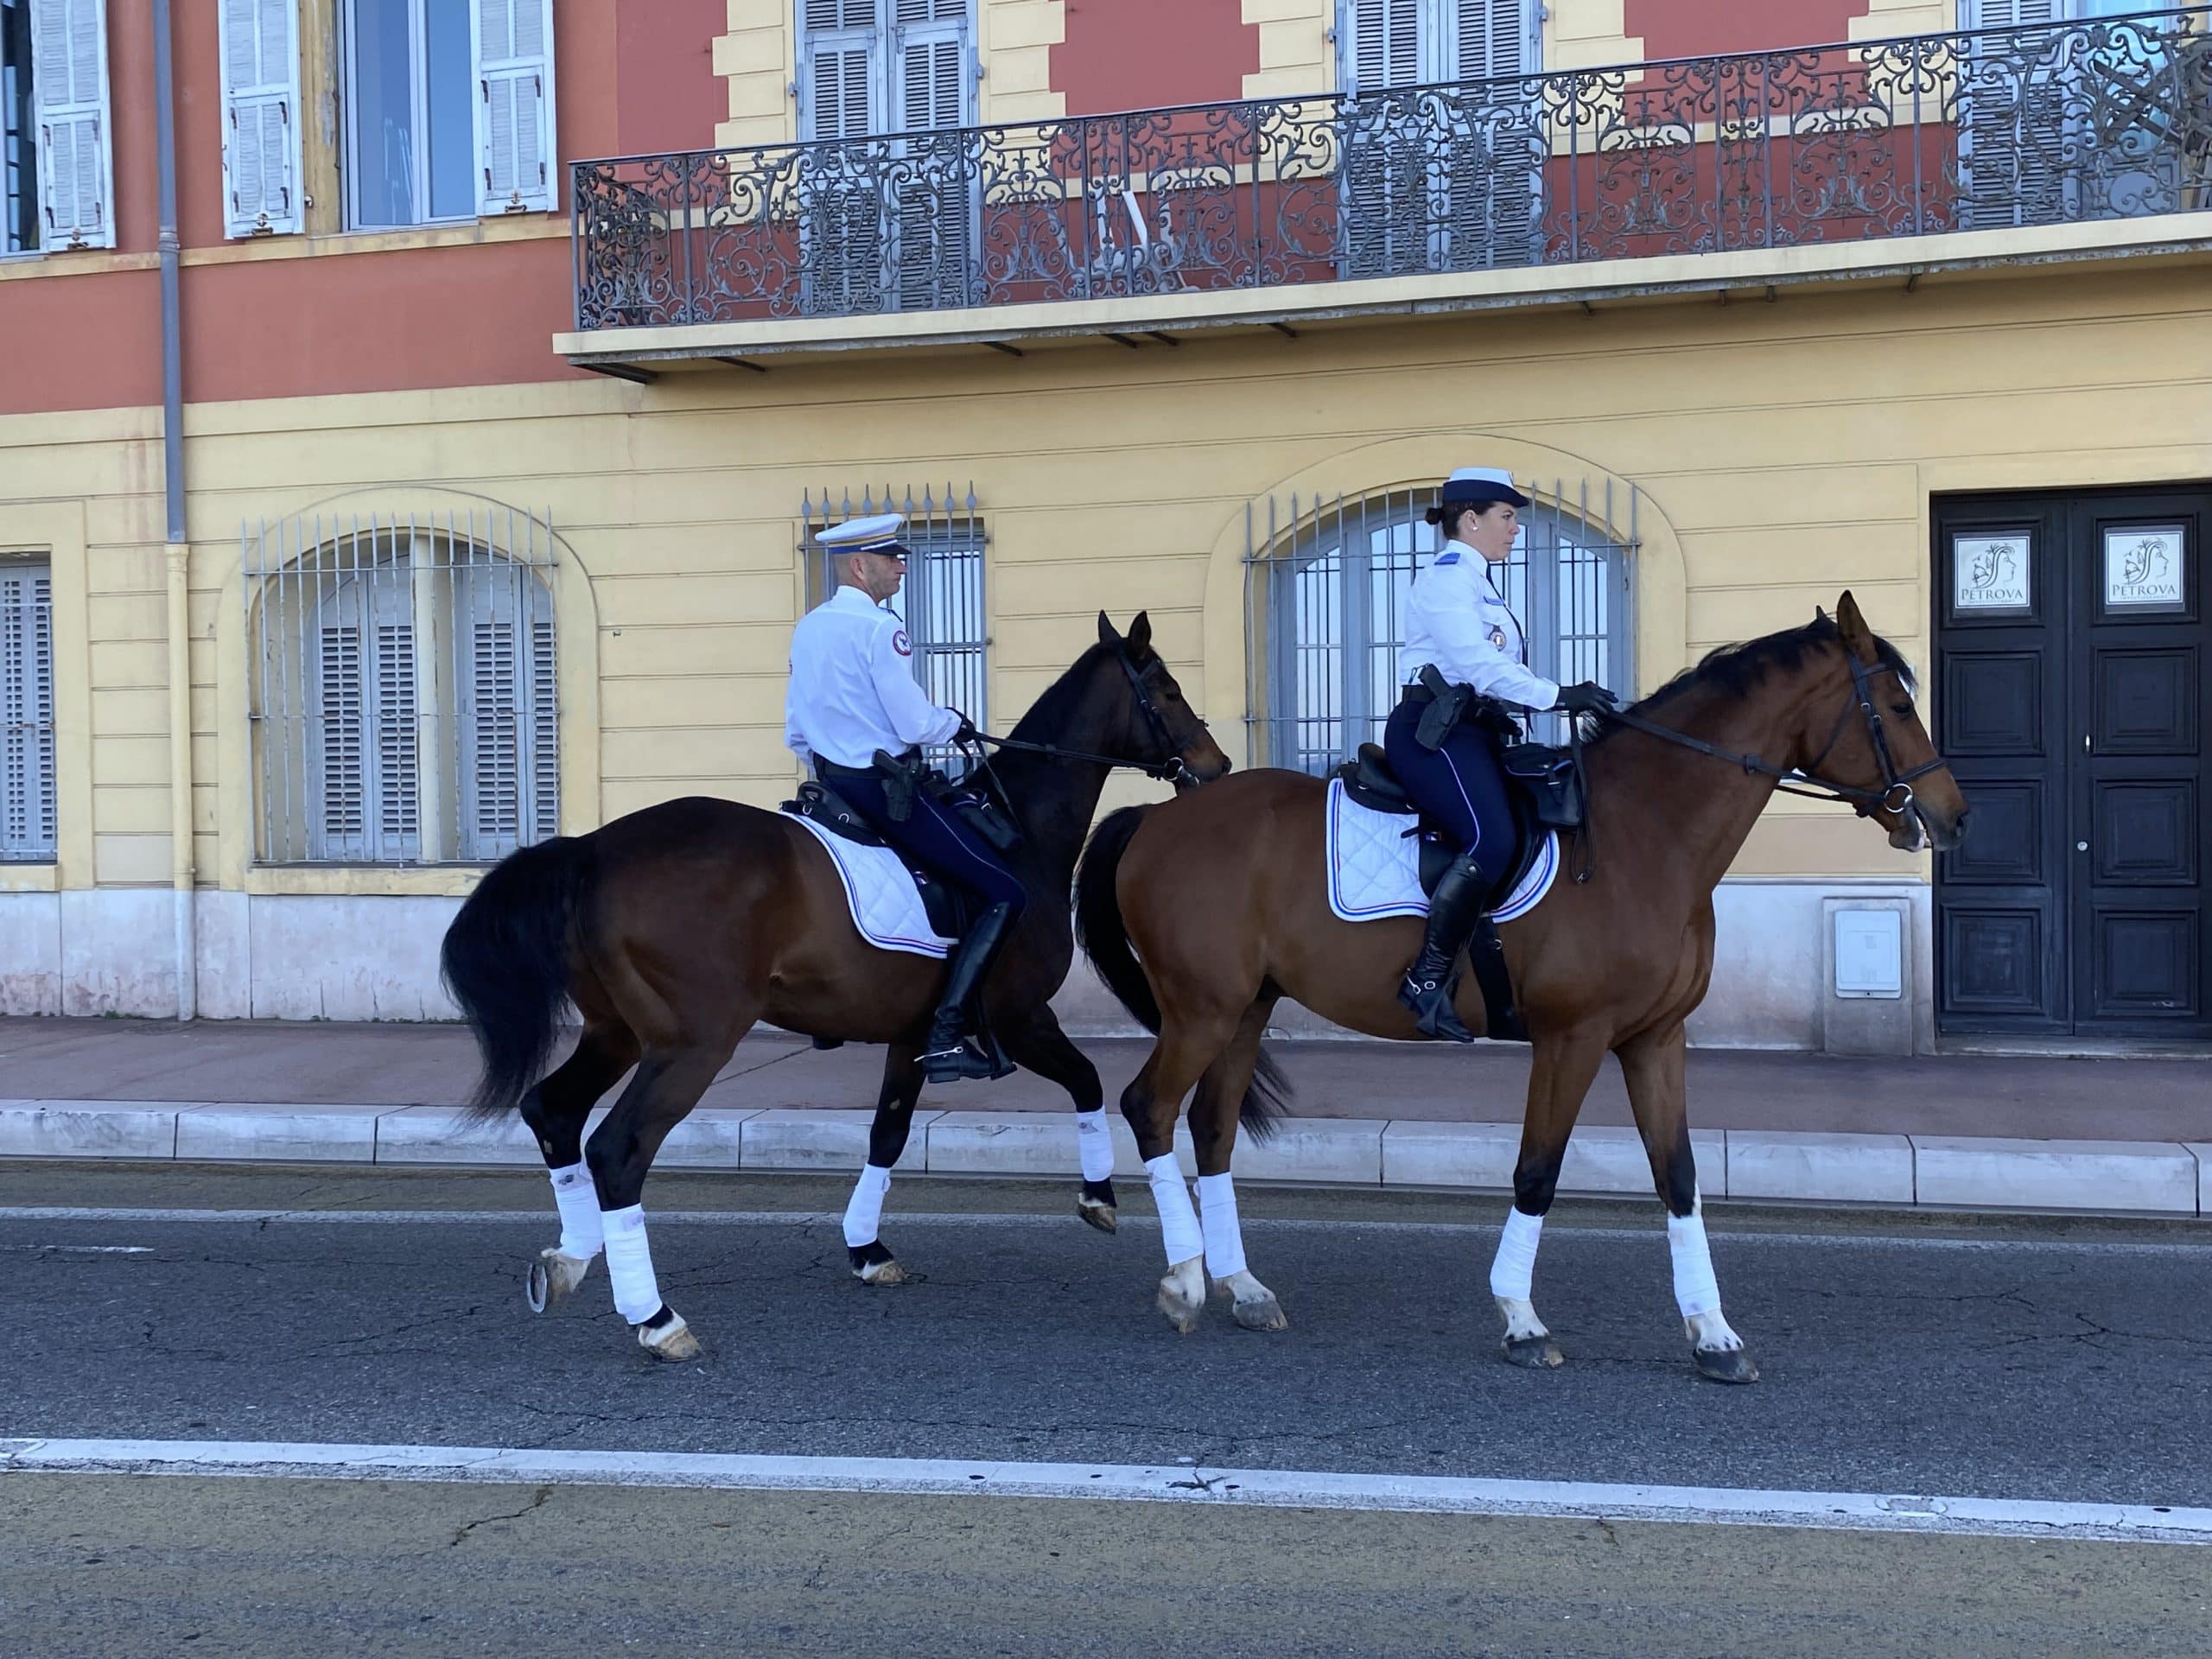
<point>1457,623</point>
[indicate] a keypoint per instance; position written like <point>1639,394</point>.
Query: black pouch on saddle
<point>984,816</point>
<point>1552,780</point>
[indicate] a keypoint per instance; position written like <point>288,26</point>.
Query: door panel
<point>2071,636</point>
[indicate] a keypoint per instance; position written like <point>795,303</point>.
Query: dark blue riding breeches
<point>934,838</point>
<point>1460,787</point>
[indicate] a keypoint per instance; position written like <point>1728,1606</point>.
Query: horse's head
<point>1148,721</point>
<point>1877,747</point>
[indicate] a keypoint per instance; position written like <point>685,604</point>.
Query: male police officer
<point>853,692</point>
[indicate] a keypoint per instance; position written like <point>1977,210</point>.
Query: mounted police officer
<point>1462,644</point>
<point>856,714</point>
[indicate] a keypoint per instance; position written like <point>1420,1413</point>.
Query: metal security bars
<point>27,814</point>
<point>405,688</point>
<point>1326,586</point>
<point>940,604</point>
<point>2092,120</point>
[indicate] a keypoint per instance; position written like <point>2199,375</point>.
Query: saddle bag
<point>1552,780</point>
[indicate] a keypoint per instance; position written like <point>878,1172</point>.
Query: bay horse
<point>676,929</point>
<point>1203,911</point>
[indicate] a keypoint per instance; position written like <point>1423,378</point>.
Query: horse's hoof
<point>1724,1364</point>
<point>673,1342</point>
<point>1183,1315</point>
<point>1094,1203</point>
<point>872,1264</point>
<point>553,1276</point>
<point>1534,1353</point>
<point>1264,1313</point>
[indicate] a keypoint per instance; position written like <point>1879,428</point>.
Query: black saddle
<point>1544,785</point>
<point>950,907</point>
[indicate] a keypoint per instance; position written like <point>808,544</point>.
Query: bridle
<point>1896,794</point>
<point>1170,771</point>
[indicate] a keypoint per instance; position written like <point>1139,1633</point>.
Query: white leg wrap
<point>578,1202</point>
<point>1179,1221</point>
<point>1225,1237</point>
<point>1514,1269</point>
<point>630,1264</point>
<point>1093,1142</point>
<point>1696,1290</point>
<point>864,1215</point>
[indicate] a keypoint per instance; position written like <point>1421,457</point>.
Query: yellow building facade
<point>1786,423</point>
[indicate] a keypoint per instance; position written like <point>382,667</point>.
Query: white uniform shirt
<point>1456,619</point>
<point>853,689</point>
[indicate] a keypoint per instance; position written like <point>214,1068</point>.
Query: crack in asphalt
<point>538,1502</point>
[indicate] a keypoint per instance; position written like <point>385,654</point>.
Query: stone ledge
<point>1819,1167</point>
<point>2125,1177</point>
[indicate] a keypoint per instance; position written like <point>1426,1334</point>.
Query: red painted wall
<point>668,94</point>
<point>1690,28</point>
<point>1137,54</point>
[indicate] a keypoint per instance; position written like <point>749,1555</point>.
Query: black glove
<point>1587,698</point>
<point>967,733</point>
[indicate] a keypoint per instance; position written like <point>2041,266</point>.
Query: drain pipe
<point>179,550</point>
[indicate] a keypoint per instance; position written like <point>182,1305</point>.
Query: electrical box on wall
<point>1869,953</point>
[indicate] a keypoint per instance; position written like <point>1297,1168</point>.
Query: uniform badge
<point>899,644</point>
<point>1497,638</point>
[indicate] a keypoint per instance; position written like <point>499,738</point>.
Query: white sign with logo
<point>2143,567</point>
<point>1989,573</point>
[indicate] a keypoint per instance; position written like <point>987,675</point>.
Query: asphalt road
<point>2064,1361</point>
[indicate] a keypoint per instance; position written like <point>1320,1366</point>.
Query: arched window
<point>1326,586</point>
<point>404,692</point>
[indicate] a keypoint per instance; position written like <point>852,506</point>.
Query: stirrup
<point>968,1057</point>
<point>1430,1003</point>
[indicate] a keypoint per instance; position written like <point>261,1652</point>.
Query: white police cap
<point>1479,485</point>
<point>876,533</point>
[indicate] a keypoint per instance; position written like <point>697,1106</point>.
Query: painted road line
<point>1129,1483</point>
<point>2187,1240</point>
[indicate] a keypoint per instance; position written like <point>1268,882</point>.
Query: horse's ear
<point>1853,627</point>
<point>1106,634</point>
<point>1141,632</point>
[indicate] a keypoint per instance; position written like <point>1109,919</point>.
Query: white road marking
<point>1181,1484</point>
<point>2198,1241</point>
<point>80,1249</point>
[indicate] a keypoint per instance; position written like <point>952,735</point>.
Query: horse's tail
<point>505,962</point>
<point>1105,937</point>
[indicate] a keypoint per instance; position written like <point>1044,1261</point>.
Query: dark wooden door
<point>2070,639</point>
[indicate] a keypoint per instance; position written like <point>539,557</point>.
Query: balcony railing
<point>2000,128</point>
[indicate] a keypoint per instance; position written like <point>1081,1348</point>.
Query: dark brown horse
<point>1202,912</point>
<point>676,929</point>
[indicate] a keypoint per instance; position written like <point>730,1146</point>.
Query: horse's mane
<point>1734,670</point>
<point>1048,718</point>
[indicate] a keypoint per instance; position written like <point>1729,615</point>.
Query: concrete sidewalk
<point>2108,1134</point>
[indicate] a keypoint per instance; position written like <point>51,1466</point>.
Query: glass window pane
<point>383,114</point>
<point>453,132</point>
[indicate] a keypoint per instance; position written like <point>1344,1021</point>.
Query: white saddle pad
<point>1375,866</point>
<point>885,904</point>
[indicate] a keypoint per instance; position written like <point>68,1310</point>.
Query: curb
<point>1886,1170</point>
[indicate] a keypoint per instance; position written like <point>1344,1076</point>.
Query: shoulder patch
<point>1447,558</point>
<point>900,643</point>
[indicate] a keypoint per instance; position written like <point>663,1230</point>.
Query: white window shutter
<point>840,86</point>
<point>76,170</point>
<point>336,746</point>
<point>27,814</point>
<point>544,730</point>
<point>1493,39</point>
<point>1385,44</point>
<point>514,106</point>
<point>261,101</point>
<point>398,792</point>
<point>494,780</point>
<point>933,76</point>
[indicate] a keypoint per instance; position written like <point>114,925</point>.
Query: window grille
<point>1326,587</point>
<point>405,688</point>
<point>941,603</point>
<point>27,813</point>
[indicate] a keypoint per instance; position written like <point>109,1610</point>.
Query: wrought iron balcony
<point>2003,129</point>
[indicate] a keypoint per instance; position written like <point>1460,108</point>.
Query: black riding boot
<point>956,1048</point>
<point>1453,910</point>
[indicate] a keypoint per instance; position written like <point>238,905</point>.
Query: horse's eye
<point>1903,710</point>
